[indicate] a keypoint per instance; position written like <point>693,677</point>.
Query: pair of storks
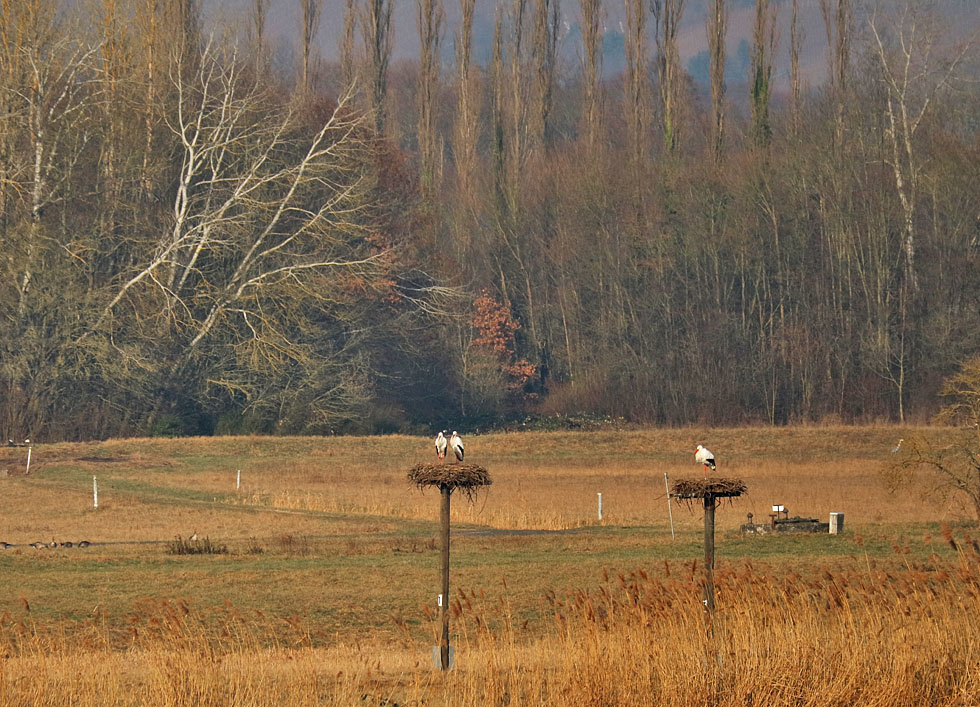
<point>455,443</point>
<point>701,455</point>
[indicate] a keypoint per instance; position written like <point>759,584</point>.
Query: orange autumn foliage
<point>495,328</point>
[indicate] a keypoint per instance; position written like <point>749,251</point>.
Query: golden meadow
<point>322,586</point>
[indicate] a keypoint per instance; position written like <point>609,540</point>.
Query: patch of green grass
<point>340,586</point>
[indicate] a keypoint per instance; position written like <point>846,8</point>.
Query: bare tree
<point>764,39</point>
<point>309,26</point>
<point>547,14</point>
<point>636,99</point>
<point>498,115</point>
<point>260,217</point>
<point>838,16</point>
<point>466,128</point>
<point>429,20</point>
<point>953,467</point>
<point>183,23</point>
<point>796,37</point>
<point>259,16</point>
<point>667,15</point>
<point>717,35</point>
<point>465,136</point>
<point>54,103</point>
<point>517,100</point>
<point>378,39</point>
<point>591,72</point>
<point>347,61</point>
<point>147,19</point>
<point>914,71</point>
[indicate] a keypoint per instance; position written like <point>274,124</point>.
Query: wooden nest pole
<point>469,478</point>
<point>708,490</point>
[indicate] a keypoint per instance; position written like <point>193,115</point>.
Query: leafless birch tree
<point>260,216</point>
<point>915,69</point>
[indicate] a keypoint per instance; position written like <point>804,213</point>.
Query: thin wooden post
<point>670,511</point>
<point>444,518</point>
<point>448,477</point>
<point>709,551</point>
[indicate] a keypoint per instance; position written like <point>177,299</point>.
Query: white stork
<point>703,456</point>
<point>441,445</point>
<point>456,442</point>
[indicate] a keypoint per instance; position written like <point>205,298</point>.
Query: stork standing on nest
<point>705,457</point>
<point>441,445</point>
<point>456,442</point>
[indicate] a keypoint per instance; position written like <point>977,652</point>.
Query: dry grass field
<point>324,591</point>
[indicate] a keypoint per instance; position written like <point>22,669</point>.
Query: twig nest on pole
<point>469,478</point>
<point>712,486</point>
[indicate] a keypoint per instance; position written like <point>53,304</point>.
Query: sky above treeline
<point>284,20</point>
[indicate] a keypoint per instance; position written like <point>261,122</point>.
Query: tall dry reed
<point>896,632</point>
<point>902,635</point>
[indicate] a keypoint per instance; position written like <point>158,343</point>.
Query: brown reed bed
<point>895,631</point>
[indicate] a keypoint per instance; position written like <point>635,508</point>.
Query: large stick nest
<point>711,486</point>
<point>469,478</point>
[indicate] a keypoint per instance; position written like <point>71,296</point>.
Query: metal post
<point>670,511</point>
<point>709,551</point>
<point>95,492</point>
<point>600,505</point>
<point>28,461</point>
<point>444,518</point>
<point>238,480</point>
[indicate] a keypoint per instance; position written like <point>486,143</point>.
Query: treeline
<point>199,237</point>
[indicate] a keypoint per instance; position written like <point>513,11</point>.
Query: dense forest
<point>200,237</point>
